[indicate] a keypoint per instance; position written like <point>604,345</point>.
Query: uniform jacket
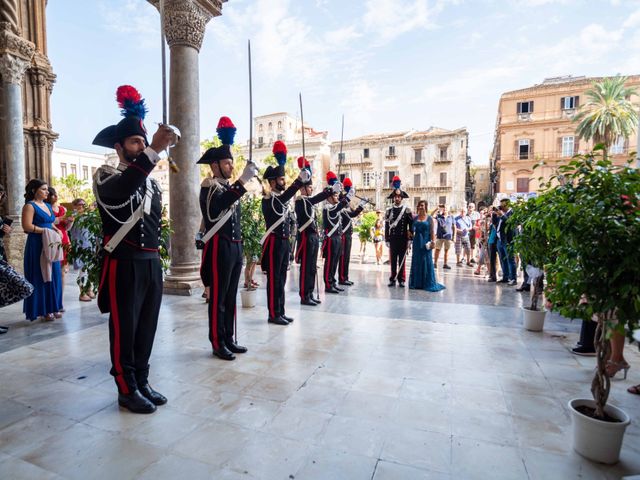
<point>346,214</point>
<point>216,197</point>
<point>275,205</point>
<point>331,216</point>
<point>119,192</point>
<point>403,228</point>
<point>305,209</point>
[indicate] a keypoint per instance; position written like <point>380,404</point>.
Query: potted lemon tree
<point>252,223</point>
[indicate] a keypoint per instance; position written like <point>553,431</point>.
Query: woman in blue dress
<point>422,273</point>
<point>37,215</point>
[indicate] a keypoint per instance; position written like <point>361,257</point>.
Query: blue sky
<point>387,65</point>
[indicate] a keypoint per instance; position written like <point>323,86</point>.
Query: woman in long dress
<point>37,216</point>
<point>422,274</point>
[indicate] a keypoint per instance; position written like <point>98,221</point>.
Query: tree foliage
<point>608,114</point>
<point>71,187</point>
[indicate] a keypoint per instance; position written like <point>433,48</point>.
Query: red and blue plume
<point>280,152</point>
<point>303,163</point>
<point>347,184</point>
<point>396,182</point>
<point>226,130</point>
<point>331,178</point>
<point>130,102</point>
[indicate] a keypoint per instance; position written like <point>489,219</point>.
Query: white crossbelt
<point>271,229</point>
<point>145,207</point>
<point>213,230</point>
<point>397,220</point>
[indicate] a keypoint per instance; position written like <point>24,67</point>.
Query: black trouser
<point>398,250</point>
<point>331,252</point>
<point>588,334</point>
<point>275,254</point>
<point>345,257</point>
<point>308,258</point>
<point>493,254</point>
<point>223,262</point>
<point>135,294</point>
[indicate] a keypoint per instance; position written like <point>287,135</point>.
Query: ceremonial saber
<point>172,164</point>
<point>340,154</point>
<point>302,121</point>
<point>257,177</point>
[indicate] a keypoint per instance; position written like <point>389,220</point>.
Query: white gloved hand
<point>351,193</point>
<point>336,187</point>
<point>362,204</point>
<point>250,171</point>
<point>305,175</point>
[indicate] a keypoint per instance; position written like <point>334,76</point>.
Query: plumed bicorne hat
<point>280,152</point>
<point>346,186</point>
<point>133,109</point>
<point>396,188</point>
<point>332,178</point>
<point>226,131</point>
<point>304,163</point>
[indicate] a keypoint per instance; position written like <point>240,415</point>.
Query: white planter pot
<point>595,439</point>
<point>533,320</point>
<point>248,298</point>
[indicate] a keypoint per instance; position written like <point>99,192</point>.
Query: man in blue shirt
<point>444,235</point>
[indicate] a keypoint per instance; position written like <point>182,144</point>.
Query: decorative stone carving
<point>9,14</point>
<point>15,52</point>
<point>12,69</point>
<point>185,20</point>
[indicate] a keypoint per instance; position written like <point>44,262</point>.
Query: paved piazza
<point>376,384</point>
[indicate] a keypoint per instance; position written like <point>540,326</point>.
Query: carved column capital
<point>15,54</point>
<point>185,21</point>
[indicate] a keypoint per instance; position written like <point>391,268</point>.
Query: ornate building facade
<point>432,165</point>
<point>282,126</point>
<point>535,125</point>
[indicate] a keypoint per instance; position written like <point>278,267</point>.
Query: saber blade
<point>302,121</point>
<point>165,121</point>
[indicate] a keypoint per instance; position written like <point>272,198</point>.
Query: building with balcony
<point>482,183</point>
<point>535,125</point>
<point>432,165</point>
<point>282,126</point>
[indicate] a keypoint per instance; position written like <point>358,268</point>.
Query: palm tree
<point>608,114</point>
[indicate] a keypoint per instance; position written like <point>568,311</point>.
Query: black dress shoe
<point>348,283</point>
<point>338,288</point>
<point>317,300</point>
<point>150,394</point>
<point>331,290</point>
<point>234,347</point>
<point>288,319</point>
<point>308,301</point>
<point>491,280</point>
<point>524,288</point>
<point>278,321</point>
<point>135,402</point>
<point>391,284</point>
<point>224,353</point>
<point>4,330</point>
<point>503,281</point>
<point>401,284</point>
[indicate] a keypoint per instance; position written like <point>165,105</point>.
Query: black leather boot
<point>224,353</point>
<point>278,321</point>
<point>331,290</point>
<point>234,347</point>
<point>135,402</point>
<point>308,301</point>
<point>317,300</point>
<point>150,394</point>
<point>288,319</point>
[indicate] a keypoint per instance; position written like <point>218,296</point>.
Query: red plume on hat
<point>226,131</point>
<point>303,163</point>
<point>280,152</point>
<point>396,182</point>
<point>331,178</point>
<point>130,102</point>
<point>347,184</point>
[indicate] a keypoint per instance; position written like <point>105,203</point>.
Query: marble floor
<point>376,383</point>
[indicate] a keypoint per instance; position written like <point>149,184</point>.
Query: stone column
<point>184,26</point>
<point>15,57</point>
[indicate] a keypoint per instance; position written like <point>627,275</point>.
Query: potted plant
<point>535,250</point>
<point>592,220</point>
<point>363,230</point>
<point>253,228</point>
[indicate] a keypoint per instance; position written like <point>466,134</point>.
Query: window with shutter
<point>523,149</point>
<point>442,200</point>
<point>416,180</point>
<point>365,153</point>
<point>443,179</point>
<point>567,146</point>
<point>522,185</point>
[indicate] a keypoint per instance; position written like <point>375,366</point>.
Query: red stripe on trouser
<point>327,263</point>
<point>343,240</point>
<point>115,319</point>
<point>272,275</point>
<point>204,256</point>
<point>303,270</point>
<point>213,302</point>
